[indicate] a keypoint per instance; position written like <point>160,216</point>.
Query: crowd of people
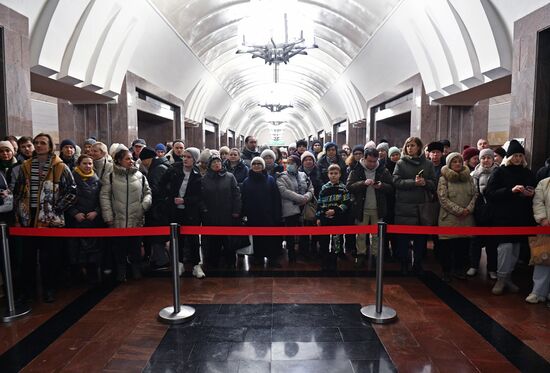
<point>299,185</point>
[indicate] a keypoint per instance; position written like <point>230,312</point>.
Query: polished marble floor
<point>457,327</point>
<point>272,338</point>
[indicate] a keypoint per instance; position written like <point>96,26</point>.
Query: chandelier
<point>276,31</point>
<point>275,108</point>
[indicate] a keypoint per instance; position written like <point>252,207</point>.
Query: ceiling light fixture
<point>275,108</point>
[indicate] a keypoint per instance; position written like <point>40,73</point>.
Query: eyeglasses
<point>257,164</point>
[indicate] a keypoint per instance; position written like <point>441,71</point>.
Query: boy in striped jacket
<point>332,207</point>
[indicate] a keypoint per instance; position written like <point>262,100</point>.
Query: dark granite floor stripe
<point>32,345</point>
<point>512,348</point>
<point>281,273</point>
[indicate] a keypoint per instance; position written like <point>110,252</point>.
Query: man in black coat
<point>249,150</point>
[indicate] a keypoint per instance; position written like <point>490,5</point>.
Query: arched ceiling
<point>211,28</point>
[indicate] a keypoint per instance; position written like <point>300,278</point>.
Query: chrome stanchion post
<point>379,313</point>
<point>13,312</point>
<point>177,313</point>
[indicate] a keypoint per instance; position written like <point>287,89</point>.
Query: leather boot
<point>498,289</point>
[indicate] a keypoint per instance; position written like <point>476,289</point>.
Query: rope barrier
<point>276,231</point>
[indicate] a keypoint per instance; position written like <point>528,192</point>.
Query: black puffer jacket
<point>240,171</point>
<point>247,155</point>
<point>510,209</point>
<point>156,214</point>
<point>324,164</point>
<point>170,188</point>
<point>221,198</point>
<point>87,200</point>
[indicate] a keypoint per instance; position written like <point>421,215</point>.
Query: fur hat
<point>469,153</point>
<point>435,145</point>
<point>258,159</point>
<point>488,152</point>
<point>195,153</point>
<point>383,146</point>
<point>147,153</point>
<point>7,144</point>
<point>67,142</point>
<point>307,154</point>
<point>451,156</point>
<point>393,149</point>
<point>514,147</point>
<point>115,148</point>
<point>268,153</point>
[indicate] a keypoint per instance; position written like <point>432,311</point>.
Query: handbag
<point>540,250</point>
<point>482,209</point>
<point>6,201</point>
<point>428,212</point>
<point>310,210</point>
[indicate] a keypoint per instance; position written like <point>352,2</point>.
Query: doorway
<point>395,129</point>
<point>154,129</point>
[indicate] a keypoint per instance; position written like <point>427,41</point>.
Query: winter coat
<point>170,188</point>
<point>172,158</point>
<point>544,171</point>
<point>324,164</point>
<point>240,171</point>
<point>357,188</point>
<point>481,176</point>
<point>541,201</point>
<point>247,155</point>
<point>221,198</point>
<point>276,170</point>
<point>261,200</point>
<point>7,169</point>
<point>456,192</point>
<point>56,194</point>
<point>315,178</point>
<point>125,197</point>
<point>103,167</point>
<point>70,162</point>
<point>510,209</point>
<point>408,196</point>
<point>293,188</point>
<point>87,200</point>
<point>337,198</point>
<point>157,214</point>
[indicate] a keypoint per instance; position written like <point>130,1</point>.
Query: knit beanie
<point>370,144</point>
<point>7,144</point>
<point>452,155</point>
<point>485,152</point>
<point>258,159</point>
<point>195,153</point>
<point>295,159</point>
<point>268,152</point>
<point>115,148</point>
<point>147,153</point>
<point>140,142</point>
<point>305,155</point>
<point>469,153</point>
<point>358,148</point>
<point>383,146</point>
<point>393,149</point>
<point>90,141</point>
<point>330,145</point>
<point>514,147</point>
<point>213,158</point>
<point>205,156</point>
<point>67,142</point>
<point>160,147</point>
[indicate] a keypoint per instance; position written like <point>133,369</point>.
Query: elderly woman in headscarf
<point>510,192</point>
<point>221,206</point>
<point>457,196</point>
<point>262,208</point>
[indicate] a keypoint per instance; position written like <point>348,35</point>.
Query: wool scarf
<point>39,171</point>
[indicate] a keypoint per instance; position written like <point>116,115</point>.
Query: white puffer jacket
<point>292,194</point>
<point>541,201</point>
<point>124,198</point>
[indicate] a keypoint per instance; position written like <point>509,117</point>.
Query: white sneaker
<point>198,272</point>
<point>181,268</point>
<point>534,299</point>
<point>493,275</point>
<point>471,272</point>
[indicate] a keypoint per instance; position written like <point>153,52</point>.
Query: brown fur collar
<point>453,176</point>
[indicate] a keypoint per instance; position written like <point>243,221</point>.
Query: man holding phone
<point>371,185</point>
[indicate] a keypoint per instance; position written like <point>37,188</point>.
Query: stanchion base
<point>168,315</point>
<point>387,315</point>
<point>19,311</point>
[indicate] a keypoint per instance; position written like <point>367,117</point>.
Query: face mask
<point>292,168</point>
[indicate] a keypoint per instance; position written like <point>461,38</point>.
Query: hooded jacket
<point>56,193</point>
<point>293,188</point>
<point>456,192</point>
<point>357,188</point>
<point>408,196</point>
<point>125,197</point>
<point>103,167</point>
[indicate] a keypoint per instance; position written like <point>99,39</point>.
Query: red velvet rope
<point>275,231</point>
